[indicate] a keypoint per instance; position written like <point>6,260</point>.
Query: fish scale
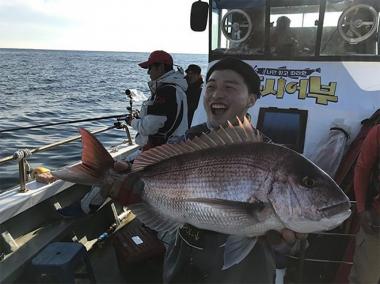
<point>210,171</point>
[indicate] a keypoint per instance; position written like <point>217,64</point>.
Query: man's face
<point>155,71</point>
<point>191,77</point>
<point>226,97</point>
<point>282,24</point>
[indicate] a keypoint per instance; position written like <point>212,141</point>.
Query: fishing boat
<point>318,62</point>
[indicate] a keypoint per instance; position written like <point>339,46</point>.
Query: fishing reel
<point>133,113</point>
<point>130,117</point>
<point>129,93</point>
<point>124,121</point>
<point>121,121</point>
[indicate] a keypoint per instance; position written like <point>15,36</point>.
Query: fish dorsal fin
<point>232,134</point>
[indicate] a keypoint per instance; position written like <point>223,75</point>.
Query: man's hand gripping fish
<point>227,181</point>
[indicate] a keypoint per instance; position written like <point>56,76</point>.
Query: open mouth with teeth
<point>218,108</point>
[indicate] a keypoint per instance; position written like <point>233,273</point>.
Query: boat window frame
<point>212,56</point>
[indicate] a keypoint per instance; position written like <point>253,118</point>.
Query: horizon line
<point>84,50</point>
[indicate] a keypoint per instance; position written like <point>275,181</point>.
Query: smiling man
<point>197,256</point>
<point>232,88</point>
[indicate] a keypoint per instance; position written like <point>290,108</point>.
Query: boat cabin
<point>317,60</point>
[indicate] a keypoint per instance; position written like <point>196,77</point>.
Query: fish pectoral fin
<point>152,218</point>
<point>229,204</point>
<point>236,249</point>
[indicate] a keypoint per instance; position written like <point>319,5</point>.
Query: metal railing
<point>22,155</point>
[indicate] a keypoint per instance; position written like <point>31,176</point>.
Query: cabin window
<point>236,30</point>
<point>284,126</point>
<point>241,28</point>
<point>350,29</point>
<point>295,29</point>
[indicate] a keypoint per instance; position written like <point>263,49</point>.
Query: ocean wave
<point>42,86</point>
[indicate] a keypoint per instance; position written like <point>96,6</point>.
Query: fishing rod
<point>118,117</point>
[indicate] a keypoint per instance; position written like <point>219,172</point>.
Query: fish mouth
<point>334,209</point>
<point>326,223</point>
<point>218,108</point>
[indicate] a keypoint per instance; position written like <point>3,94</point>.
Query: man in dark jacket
<point>195,82</point>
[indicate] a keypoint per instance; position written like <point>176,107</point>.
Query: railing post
<point>22,175</point>
<point>21,156</point>
<point>128,135</point>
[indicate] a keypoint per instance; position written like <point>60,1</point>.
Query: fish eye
<point>308,181</point>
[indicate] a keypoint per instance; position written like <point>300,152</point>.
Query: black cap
<point>251,79</point>
<point>194,68</point>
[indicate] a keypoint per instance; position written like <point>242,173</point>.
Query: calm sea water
<point>45,86</point>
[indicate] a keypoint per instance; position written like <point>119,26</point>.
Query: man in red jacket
<point>366,267</point>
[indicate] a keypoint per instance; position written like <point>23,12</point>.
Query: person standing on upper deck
<point>164,115</point>
<point>283,40</point>
<point>366,266</point>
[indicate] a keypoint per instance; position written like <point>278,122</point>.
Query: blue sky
<point>112,25</point>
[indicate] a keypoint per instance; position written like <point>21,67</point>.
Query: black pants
<point>186,264</point>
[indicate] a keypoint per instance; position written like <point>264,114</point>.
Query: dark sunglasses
<point>154,64</point>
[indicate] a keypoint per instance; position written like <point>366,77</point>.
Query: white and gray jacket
<point>164,115</point>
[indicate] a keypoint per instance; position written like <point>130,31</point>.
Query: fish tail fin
<point>95,162</point>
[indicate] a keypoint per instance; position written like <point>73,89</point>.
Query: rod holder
<point>22,174</point>
<point>23,167</point>
<point>128,134</point>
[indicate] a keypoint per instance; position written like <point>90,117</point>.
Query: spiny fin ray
<point>244,132</point>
